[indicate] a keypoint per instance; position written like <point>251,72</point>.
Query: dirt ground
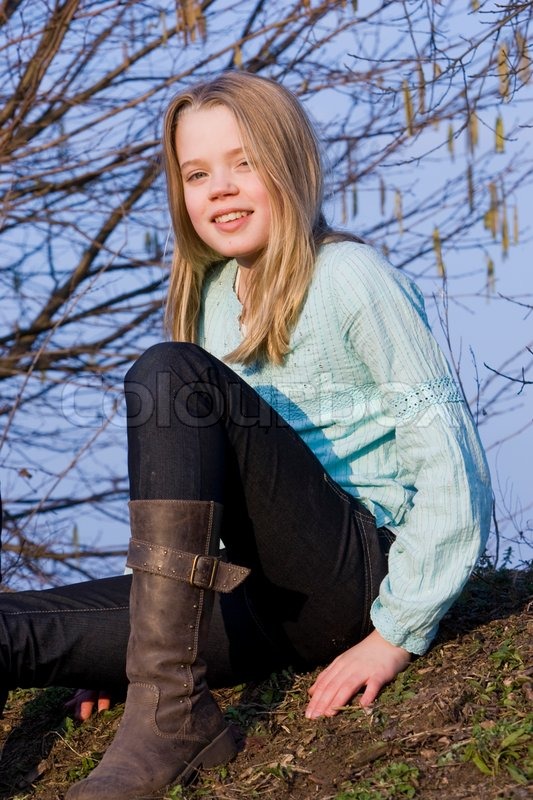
<point>457,724</point>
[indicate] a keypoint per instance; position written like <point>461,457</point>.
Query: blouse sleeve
<point>439,454</point>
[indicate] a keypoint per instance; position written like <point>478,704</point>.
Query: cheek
<point>192,208</point>
<point>264,199</point>
<point>262,202</point>
<point>268,214</point>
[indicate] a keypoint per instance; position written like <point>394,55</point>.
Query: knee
<point>158,375</point>
<point>163,357</point>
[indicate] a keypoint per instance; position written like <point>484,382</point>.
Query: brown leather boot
<point>171,725</point>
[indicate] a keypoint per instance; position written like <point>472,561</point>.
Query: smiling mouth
<point>232,216</point>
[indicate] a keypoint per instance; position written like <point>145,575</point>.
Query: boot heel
<point>220,751</point>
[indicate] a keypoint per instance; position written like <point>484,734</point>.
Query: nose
<point>222,185</point>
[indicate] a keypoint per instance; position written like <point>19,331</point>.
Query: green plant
<point>507,656</point>
<point>175,793</point>
<point>393,781</point>
<point>69,726</point>
<point>277,687</point>
<point>402,687</point>
<point>38,702</point>
<point>281,771</point>
<point>86,765</point>
<point>504,745</point>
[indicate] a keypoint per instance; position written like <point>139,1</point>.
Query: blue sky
<point>483,327</point>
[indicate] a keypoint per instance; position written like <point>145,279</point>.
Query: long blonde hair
<point>281,145</point>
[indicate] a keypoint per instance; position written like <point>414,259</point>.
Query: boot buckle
<point>203,571</point>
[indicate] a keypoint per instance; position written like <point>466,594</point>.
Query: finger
<point>326,676</point>
<point>372,690</point>
<point>76,703</point>
<point>321,687</point>
<point>326,707</point>
<point>330,700</point>
<point>85,710</point>
<point>104,702</point>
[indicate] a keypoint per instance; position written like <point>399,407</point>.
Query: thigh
<point>317,559</point>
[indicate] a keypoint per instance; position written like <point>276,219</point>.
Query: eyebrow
<point>196,161</point>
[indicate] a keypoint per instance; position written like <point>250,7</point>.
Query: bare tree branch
<point>399,90</point>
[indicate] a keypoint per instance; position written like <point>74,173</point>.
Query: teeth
<point>231,216</point>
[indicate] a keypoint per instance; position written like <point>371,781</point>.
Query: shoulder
<point>356,261</point>
<point>358,275</point>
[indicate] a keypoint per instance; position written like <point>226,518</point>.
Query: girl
<point>335,458</point>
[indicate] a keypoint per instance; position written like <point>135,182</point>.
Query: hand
<point>84,702</point>
<point>372,663</point>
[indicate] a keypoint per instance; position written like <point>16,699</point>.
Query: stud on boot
<point>172,725</point>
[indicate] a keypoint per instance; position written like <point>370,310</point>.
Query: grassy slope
<point>456,724</point>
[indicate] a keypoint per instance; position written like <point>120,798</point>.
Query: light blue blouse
<point>368,389</point>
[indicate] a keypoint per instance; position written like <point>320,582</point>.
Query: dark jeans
<point>197,431</point>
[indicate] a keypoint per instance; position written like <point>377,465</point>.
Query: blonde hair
<point>281,145</point>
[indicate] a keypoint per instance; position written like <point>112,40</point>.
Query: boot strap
<point>204,572</point>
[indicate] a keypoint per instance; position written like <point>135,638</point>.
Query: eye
<point>244,163</point>
<point>195,176</point>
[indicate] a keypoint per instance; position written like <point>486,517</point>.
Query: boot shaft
<point>173,554</point>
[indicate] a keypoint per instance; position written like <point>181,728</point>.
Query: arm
<point>439,458</point>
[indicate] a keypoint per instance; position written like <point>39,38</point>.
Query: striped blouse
<point>368,389</point>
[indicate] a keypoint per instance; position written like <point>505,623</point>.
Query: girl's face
<point>226,200</point>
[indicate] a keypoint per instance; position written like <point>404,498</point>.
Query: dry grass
<point>456,724</point>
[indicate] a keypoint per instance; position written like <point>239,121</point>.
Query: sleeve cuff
<point>393,633</point>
